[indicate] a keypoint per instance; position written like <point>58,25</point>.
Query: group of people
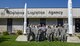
<point>50,33</point>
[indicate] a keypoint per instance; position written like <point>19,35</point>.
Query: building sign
<point>35,12</point>
<point>43,12</point>
<point>55,12</point>
<point>11,12</point>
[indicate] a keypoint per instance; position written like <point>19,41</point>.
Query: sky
<point>37,3</point>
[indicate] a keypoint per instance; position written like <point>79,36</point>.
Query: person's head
<point>31,25</point>
<point>49,27</point>
<point>38,25</point>
<point>59,24</point>
<point>43,25</point>
<point>53,25</point>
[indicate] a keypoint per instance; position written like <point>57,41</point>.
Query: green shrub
<point>5,33</point>
<point>19,32</point>
<point>0,32</point>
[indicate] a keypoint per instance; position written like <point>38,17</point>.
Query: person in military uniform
<point>33,32</point>
<point>38,32</point>
<point>28,31</point>
<point>54,32</point>
<point>65,32</point>
<point>62,35</point>
<point>59,30</point>
<point>66,26</point>
<point>48,32</point>
<point>43,33</point>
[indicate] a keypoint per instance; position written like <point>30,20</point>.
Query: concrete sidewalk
<point>22,38</point>
<point>73,39</point>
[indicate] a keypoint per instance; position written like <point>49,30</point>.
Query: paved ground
<point>21,38</point>
<point>73,39</point>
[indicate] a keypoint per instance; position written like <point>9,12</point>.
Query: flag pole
<point>70,18</point>
<point>25,18</point>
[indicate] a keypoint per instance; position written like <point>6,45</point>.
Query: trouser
<point>37,38</point>
<point>43,35</point>
<point>50,36</point>
<point>40,36</point>
<point>29,36</point>
<point>55,36</point>
<point>63,38</point>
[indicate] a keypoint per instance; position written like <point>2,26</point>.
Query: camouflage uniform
<point>62,34</point>
<point>48,32</point>
<point>39,33</point>
<point>36,34</point>
<point>59,30</point>
<point>66,27</point>
<point>28,31</point>
<point>65,31</point>
<point>33,32</point>
<point>54,32</point>
<point>43,33</point>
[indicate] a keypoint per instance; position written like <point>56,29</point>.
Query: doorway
<point>9,25</point>
<point>60,21</point>
<point>43,21</point>
<point>77,25</point>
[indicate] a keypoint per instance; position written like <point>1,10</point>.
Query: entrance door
<point>77,25</point>
<point>43,21</point>
<point>60,21</point>
<point>9,25</point>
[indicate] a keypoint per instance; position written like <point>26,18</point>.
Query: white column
<point>70,17</point>
<point>25,18</point>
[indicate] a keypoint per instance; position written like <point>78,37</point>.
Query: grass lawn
<point>9,40</point>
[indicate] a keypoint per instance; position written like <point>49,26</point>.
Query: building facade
<point>12,19</point>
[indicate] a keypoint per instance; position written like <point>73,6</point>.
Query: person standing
<point>36,33</point>
<point>33,30</point>
<point>66,26</point>
<point>43,33</point>
<point>59,32</point>
<point>28,31</point>
<point>48,32</point>
<point>54,32</point>
<point>39,32</point>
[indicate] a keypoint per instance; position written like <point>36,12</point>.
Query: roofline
<point>39,7</point>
